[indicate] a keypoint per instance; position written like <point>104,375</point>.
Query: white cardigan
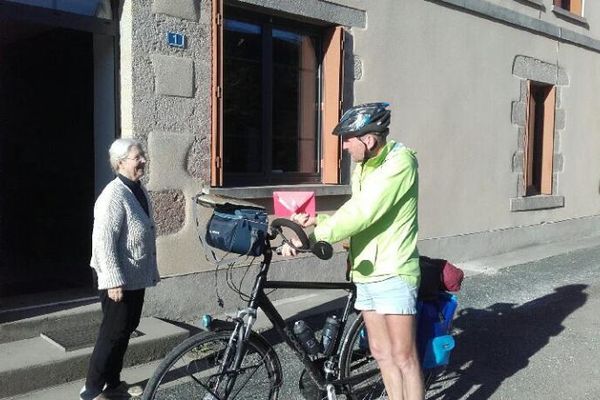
<point>123,240</point>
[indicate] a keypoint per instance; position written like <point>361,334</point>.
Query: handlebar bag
<point>241,231</point>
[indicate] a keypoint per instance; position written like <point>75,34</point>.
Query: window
<point>573,6</point>
<point>277,90</point>
<point>539,139</point>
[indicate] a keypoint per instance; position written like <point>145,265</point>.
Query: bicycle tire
<point>355,358</point>
<point>192,369</point>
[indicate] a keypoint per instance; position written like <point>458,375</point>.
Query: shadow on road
<point>497,342</point>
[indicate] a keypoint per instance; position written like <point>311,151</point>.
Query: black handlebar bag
<point>238,230</point>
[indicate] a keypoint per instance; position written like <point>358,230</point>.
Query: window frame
<point>329,98</point>
<point>573,7</point>
<point>536,157</point>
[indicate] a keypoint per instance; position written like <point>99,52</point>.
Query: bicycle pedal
<point>331,392</point>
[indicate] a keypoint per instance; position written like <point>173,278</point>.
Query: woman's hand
<point>116,294</point>
<point>289,251</point>
<point>303,219</point>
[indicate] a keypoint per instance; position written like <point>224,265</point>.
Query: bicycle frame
<point>259,299</point>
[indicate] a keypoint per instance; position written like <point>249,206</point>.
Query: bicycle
<point>231,361</point>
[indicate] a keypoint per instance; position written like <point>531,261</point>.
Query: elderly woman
<point>124,259</point>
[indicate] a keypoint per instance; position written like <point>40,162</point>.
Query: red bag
<point>438,274</point>
<point>452,277</point>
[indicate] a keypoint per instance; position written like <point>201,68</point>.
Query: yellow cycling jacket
<point>380,218</point>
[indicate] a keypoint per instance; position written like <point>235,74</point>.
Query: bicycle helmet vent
<point>365,118</point>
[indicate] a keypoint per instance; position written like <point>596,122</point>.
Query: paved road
<point>526,332</point>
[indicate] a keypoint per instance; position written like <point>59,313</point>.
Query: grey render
<point>453,72</point>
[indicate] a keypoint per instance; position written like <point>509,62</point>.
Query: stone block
<point>185,9</point>
<point>530,68</point>
<point>519,113</point>
<point>562,78</point>
<point>357,68</point>
<point>169,210</point>
<point>559,119</point>
<point>167,151</point>
<point>540,202</point>
<point>557,163</point>
<point>174,76</point>
<point>517,162</point>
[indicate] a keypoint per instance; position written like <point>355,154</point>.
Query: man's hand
<point>116,294</point>
<point>289,251</point>
<point>303,219</point>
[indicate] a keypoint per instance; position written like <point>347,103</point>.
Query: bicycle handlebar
<point>321,249</point>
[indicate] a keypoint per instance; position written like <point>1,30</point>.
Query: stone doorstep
<point>35,363</point>
<point>70,318</point>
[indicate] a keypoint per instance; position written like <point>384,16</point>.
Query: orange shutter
<point>528,141</point>
<point>216,147</point>
<point>332,101</point>
<point>548,145</point>
<point>576,7</point>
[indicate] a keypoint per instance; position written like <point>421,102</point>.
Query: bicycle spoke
<point>201,370</point>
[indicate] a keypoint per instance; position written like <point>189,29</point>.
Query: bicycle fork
<point>233,356</point>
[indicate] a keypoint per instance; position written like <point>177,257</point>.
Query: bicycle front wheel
<point>204,367</point>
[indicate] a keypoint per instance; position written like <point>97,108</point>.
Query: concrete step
<point>49,359</point>
<point>136,375</point>
<point>17,325</point>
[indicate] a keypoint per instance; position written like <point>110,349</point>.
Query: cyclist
<point>380,219</point>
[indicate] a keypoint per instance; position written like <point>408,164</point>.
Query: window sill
<point>541,202</point>
<point>569,16</point>
<point>534,3</point>
<point>263,192</point>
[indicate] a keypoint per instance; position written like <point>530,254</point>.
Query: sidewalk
<point>319,303</point>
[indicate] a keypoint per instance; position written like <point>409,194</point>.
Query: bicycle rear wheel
<point>202,367</point>
<point>355,358</point>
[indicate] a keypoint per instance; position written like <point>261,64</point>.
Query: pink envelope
<point>287,203</point>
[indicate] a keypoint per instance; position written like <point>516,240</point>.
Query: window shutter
<point>528,141</point>
<point>216,163</point>
<point>333,66</point>
<point>576,7</point>
<point>548,145</point>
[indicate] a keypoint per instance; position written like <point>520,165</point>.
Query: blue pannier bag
<point>240,231</point>
<point>434,339</point>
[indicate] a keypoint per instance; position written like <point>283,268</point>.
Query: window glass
<point>242,100</point>
<point>90,8</point>
<point>294,103</point>
<point>271,80</point>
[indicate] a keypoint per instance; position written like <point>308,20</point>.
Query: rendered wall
<point>449,76</point>
<point>453,72</point>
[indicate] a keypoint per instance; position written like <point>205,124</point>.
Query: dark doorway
<point>46,158</point>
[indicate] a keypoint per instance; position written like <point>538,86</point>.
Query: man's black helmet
<point>363,119</point>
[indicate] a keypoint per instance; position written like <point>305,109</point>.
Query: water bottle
<point>330,330</point>
<point>363,339</point>
<point>306,337</point>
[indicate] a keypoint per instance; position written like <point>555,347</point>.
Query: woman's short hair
<point>119,150</point>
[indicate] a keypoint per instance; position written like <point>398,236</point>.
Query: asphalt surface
<point>527,332</point>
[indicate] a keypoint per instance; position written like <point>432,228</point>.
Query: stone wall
<point>165,103</point>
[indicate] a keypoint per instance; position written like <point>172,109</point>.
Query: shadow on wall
<point>497,342</point>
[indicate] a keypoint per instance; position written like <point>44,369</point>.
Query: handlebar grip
<point>283,222</point>
<point>321,249</point>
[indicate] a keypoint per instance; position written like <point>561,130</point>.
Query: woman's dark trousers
<point>118,322</point>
